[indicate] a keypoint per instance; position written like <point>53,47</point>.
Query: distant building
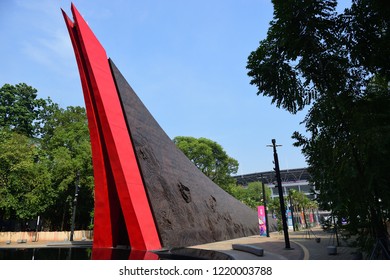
<point>297,179</point>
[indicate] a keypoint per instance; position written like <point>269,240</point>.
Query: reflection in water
<point>74,254</point>
<point>45,254</point>
<point>82,253</point>
<point>121,254</point>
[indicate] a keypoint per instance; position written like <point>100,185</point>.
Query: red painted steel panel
<point>102,218</point>
<point>105,109</point>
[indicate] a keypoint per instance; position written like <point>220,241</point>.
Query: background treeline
<point>44,152</point>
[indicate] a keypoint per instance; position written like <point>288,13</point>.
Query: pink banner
<point>311,217</point>
<point>261,217</point>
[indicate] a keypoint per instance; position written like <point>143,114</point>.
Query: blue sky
<point>186,60</point>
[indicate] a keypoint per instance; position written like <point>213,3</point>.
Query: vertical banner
<point>311,217</point>
<point>303,219</point>
<point>261,217</point>
<point>289,219</point>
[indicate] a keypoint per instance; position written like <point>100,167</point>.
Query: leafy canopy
<point>43,148</point>
<point>19,108</point>
<point>339,64</point>
<point>209,157</point>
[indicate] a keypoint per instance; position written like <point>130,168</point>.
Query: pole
<point>74,206</point>
<point>265,207</point>
<point>281,198</point>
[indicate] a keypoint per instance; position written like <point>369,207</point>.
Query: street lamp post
<point>281,198</point>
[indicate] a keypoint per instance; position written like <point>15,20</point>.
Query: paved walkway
<point>304,244</point>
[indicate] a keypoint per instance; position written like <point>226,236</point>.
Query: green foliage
<point>274,208</point>
<point>25,189</point>
<point>19,108</point>
<point>43,148</point>
<point>252,195</point>
<point>301,201</point>
<point>209,157</point>
<point>338,64</point>
<point>65,138</point>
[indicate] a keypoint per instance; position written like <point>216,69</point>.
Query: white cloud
<point>57,43</point>
<point>52,49</point>
<point>43,6</point>
<point>47,41</point>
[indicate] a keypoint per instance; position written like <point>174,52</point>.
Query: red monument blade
<point>112,143</point>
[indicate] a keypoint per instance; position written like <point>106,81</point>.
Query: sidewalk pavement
<point>303,243</point>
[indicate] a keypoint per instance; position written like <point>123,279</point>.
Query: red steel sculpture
<point>148,195</point>
<point>119,188</point>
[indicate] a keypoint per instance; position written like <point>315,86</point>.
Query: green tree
<point>210,158</point>
<point>44,152</point>
<point>65,139</point>
<point>302,204</point>
<point>339,64</point>
<point>274,208</point>
<point>19,108</point>
<point>25,181</point>
<point>253,194</point>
